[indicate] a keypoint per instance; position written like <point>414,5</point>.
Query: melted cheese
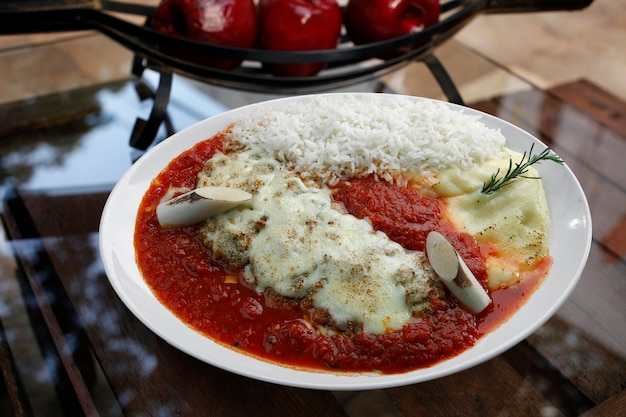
<point>290,238</point>
<point>297,244</point>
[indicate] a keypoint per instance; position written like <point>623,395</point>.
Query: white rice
<point>344,136</point>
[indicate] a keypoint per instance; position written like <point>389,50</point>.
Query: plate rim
<point>290,376</point>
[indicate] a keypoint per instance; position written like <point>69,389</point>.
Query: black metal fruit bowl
<point>347,63</point>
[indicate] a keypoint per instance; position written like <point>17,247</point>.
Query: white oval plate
<point>569,245</point>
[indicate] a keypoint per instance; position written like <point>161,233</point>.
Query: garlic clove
<point>198,205</point>
<point>442,256</point>
<point>455,274</point>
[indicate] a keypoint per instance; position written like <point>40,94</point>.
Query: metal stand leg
<point>144,132</point>
<point>440,74</point>
<point>444,80</point>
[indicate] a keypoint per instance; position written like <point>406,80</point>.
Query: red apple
<point>378,20</point>
<point>298,25</point>
<point>220,22</point>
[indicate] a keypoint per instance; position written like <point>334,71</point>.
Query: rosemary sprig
<point>518,171</point>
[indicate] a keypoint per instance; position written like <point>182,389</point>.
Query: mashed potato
<point>512,224</point>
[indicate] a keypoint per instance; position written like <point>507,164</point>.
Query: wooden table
<point>61,155</point>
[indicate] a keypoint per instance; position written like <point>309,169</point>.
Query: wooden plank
<point>76,397</point>
<point>587,360</point>
<point>614,406</point>
<point>79,213</point>
<point>600,104</point>
<point>494,388</point>
<point>11,379</point>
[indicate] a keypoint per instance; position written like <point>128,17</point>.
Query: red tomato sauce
<point>196,288</point>
<point>406,216</point>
